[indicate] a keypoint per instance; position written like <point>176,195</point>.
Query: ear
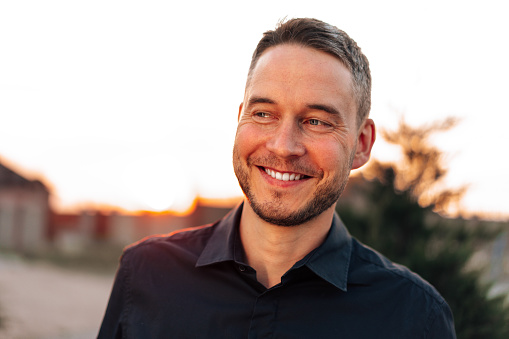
<point>240,110</point>
<point>365,140</point>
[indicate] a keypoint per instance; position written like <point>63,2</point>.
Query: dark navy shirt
<point>196,284</point>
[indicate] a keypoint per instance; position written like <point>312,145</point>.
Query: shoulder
<point>190,241</point>
<point>371,267</point>
<point>397,288</point>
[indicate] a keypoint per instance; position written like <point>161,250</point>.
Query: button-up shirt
<point>196,283</point>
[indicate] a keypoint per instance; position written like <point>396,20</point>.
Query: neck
<point>272,250</point>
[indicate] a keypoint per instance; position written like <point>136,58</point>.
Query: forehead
<point>299,74</point>
<point>292,52</point>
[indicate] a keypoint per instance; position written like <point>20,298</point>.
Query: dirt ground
<point>41,301</point>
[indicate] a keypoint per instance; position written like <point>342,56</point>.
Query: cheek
<point>332,158</point>
<point>247,140</point>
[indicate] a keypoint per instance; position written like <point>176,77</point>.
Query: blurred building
<point>24,212</point>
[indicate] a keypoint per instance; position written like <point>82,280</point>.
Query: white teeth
<point>283,176</point>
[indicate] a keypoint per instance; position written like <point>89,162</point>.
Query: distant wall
<point>24,217</point>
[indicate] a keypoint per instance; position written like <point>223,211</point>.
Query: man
<point>282,264</point>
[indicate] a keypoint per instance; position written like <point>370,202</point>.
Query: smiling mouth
<point>287,176</point>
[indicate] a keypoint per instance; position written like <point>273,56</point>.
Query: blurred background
<point>117,121</point>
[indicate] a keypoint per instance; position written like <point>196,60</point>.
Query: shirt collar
<point>221,245</point>
<point>330,260</point>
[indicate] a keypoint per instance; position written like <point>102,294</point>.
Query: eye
<point>262,115</point>
<point>316,123</point>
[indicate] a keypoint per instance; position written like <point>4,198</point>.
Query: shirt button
<point>242,268</point>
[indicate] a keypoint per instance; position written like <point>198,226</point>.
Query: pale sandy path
<point>39,301</point>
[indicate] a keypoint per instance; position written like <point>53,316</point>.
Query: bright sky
<point>134,103</point>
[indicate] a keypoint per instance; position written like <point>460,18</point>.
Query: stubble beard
<point>326,195</point>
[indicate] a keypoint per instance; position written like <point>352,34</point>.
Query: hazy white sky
<point>134,103</point>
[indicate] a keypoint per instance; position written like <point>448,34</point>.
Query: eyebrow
<point>326,108</point>
<point>320,107</point>
<point>260,100</point>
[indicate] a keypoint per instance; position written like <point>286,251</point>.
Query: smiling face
<point>297,137</point>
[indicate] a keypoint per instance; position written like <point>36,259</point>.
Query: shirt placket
<point>264,315</point>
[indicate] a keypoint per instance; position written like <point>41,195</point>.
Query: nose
<point>286,141</point>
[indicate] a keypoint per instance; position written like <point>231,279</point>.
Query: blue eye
<point>317,124</point>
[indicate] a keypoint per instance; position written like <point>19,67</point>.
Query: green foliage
<point>397,218</point>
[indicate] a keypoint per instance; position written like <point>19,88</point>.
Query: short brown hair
<point>321,36</point>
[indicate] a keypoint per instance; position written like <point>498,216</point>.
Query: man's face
<point>297,136</point>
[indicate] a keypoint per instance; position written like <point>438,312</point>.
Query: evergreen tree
<point>399,217</point>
